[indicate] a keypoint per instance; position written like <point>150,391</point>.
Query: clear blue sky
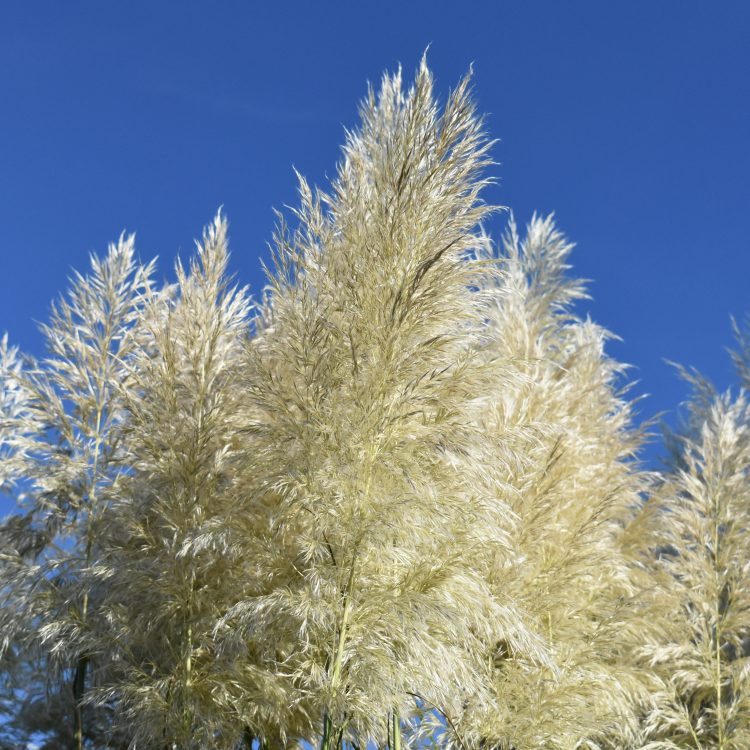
<point>631,120</point>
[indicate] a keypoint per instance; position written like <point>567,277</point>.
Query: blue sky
<point>631,120</point>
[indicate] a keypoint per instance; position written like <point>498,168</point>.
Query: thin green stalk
<point>343,631</point>
<point>327,731</point>
<point>187,718</point>
<point>394,739</point>
<point>79,679</point>
<point>717,637</point>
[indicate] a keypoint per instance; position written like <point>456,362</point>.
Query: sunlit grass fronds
<point>69,398</point>
<point>15,403</point>
<point>359,449</point>
<point>704,536</point>
<point>62,447</point>
<point>168,566</point>
<point>569,489</point>
<point>394,505</point>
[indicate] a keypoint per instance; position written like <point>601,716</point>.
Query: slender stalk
<point>187,719</point>
<point>79,679</point>
<point>717,634</point>
<point>344,629</point>
<point>328,733</point>
<point>188,664</point>
<point>698,743</point>
<point>79,684</point>
<point>395,731</point>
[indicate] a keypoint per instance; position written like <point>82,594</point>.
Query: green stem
<point>717,630</point>
<point>327,742</point>
<point>344,630</point>
<point>395,742</point>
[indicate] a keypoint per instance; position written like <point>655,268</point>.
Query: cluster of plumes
<point>393,502</point>
<point>699,540</point>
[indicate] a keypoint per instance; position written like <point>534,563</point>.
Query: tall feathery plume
<point>701,535</point>
<point>61,450</point>
<point>570,489</point>
<point>359,449</point>
<point>168,566</point>
<point>395,504</point>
